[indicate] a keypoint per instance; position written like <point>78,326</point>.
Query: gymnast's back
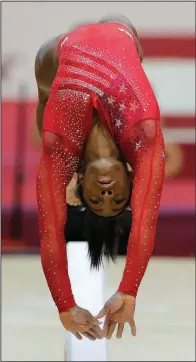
<point>101,41</point>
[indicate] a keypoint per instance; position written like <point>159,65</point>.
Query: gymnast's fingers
<point>92,331</point>
<point>92,320</point>
<point>120,330</point>
<point>106,325</point>
<point>103,312</point>
<point>98,332</point>
<point>133,328</point>
<point>77,335</point>
<point>111,330</point>
<point>89,336</point>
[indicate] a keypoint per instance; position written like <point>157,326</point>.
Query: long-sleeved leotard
<point>144,149</point>
<point>102,72</point>
<point>56,165</point>
<point>60,156</point>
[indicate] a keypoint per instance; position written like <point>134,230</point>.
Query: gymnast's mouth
<point>105,182</point>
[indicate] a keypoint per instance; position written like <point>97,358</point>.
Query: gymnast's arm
<point>57,165</point>
<point>144,150</point>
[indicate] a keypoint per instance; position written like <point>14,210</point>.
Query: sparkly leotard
<point>99,67</point>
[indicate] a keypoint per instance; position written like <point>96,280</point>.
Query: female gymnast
<point>97,112</point>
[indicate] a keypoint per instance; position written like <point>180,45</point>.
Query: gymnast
<point>96,114</point>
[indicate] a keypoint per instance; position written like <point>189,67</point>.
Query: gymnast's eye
<point>119,201</point>
<point>94,201</point>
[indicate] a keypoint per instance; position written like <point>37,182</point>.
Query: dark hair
<point>102,233</point>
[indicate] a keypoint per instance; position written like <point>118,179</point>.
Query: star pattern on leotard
<point>138,145</point>
<point>118,123</point>
<point>133,107</point>
<point>122,107</point>
<point>111,100</point>
<point>123,88</point>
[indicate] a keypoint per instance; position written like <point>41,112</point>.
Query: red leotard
<point>99,67</point>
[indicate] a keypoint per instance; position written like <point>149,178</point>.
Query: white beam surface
<point>88,289</point>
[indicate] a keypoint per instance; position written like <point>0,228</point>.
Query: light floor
<point>165,315</point>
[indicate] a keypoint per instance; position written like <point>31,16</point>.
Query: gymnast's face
<point>106,187</point>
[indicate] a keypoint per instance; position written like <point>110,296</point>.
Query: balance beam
<point>88,289</point>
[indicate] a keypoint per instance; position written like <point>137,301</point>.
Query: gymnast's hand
<point>119,309</point>
<point>80,322</point>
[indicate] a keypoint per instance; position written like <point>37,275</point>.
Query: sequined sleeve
<point>57,166</point>
<point>144,150</point>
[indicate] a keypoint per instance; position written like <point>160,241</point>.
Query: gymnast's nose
<point>106,187</point>
<point>106,192</point>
